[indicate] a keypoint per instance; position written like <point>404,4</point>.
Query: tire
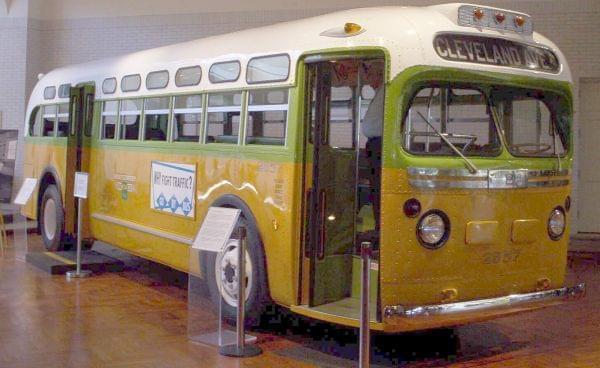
<point>257,298</point>
<point>52,219</point>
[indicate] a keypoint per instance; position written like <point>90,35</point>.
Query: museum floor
<point>138,318</point>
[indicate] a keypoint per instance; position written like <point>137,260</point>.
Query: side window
<point>130,83</point>
<point>156,118</point>
<point>267,117</point>
<point>130,113</point>
<point>49,92</point>
<point>268,69</point>
<point>35,122</point>
<point>109,119</point>
<point>109,85</point>
<point>187,116</point>
<point>63,120</point>
<point>49,120</point>
<point>157,80</point>
<point>63,90</point>
<point>341,118</point>
<point>228,71</point>
<point>223,122</point>
<point>188,76</point>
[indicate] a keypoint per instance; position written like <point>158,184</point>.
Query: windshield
<point>534,123</point>
<point>455,120</point>
<point>462,115</point>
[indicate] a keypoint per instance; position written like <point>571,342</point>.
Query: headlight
<point>556,223</point>
<point>433,229</point>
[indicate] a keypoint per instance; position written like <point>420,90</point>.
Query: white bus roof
<point>407,33</point>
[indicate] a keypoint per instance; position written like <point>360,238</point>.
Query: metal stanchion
<point>365,333</point>
<point>240,349</point>
<point>79,273</point>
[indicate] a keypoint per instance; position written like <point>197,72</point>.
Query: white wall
<point>38,35</point>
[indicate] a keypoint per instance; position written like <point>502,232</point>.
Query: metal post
<point>240,349</point>
<point>241,301</point>
<point>79,273</point>
<point>365,333</point>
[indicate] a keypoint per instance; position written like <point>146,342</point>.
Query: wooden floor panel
<point>138,318</point>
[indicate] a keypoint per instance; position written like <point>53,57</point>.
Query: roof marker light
<point>478,14</point>
<point>352,28</point>
<point>500,17</point>
<point>519,21</point>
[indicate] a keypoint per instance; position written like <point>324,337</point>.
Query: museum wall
<point>39,35</point>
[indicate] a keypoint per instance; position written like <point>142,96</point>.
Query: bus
<point>441,135</point>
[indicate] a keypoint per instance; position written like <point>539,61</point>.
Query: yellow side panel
<point>268,189</point>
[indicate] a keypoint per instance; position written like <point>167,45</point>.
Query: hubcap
<point>50,219</point>
<point>227,275</point>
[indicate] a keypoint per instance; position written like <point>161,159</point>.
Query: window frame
<point>63,86</point>
<point>50,88</point>
<point>266,57</point>
<point>117,122</point>
<point>449,84</point>
<point>169,110</point>
<point>184,68</point>
<point>249,109</point>
<point>55,126</point>
<point>242,110</point>
<point>131,90</point>
<point>158,72</point>
<point>106,92</point>
<point>227,80</point>
<point>141,115</point>
<point>202,112</point>
<point>35,117</point>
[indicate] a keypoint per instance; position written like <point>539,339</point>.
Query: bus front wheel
<point>222,278</point>
<point>52,218</point>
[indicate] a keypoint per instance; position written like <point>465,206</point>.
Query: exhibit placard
<point>26,191</point>
<point>81,185</point>
<point>216,229</point>
<point>173,187</point>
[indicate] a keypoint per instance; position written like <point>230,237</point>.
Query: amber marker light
<point>478,14</point>
<point>519,21</point>
<point>500,17</point>
<point>352,28</point>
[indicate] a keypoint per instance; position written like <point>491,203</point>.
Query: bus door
<point>335,144</point>
<point>81,105</point>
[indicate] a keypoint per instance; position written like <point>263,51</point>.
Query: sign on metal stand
<point>215,235</point>
<point>80,192</point>
<point>240,349</point>
<point>365,333</point>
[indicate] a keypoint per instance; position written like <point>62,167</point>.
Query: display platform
<point>58,263</point>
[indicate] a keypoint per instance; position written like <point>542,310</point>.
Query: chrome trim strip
<point>433,178</point>
<point>574,292</point>
<point>142,228</point>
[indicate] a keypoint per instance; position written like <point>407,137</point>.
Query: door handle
<point>323,224</point>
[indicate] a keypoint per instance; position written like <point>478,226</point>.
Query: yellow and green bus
<point>442,135</point>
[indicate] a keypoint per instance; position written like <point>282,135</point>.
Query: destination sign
<point>495,51</point>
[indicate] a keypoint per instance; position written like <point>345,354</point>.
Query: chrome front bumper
<point>485,304</point>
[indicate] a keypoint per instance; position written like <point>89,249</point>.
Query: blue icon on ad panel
<point>186,206</point>
<point>173,204</point>
<point>161,202</point>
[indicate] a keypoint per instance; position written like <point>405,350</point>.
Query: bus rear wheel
<point>221,272</point>
<point>52,219</point>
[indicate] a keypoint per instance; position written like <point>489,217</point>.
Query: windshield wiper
<point>470,165</point>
